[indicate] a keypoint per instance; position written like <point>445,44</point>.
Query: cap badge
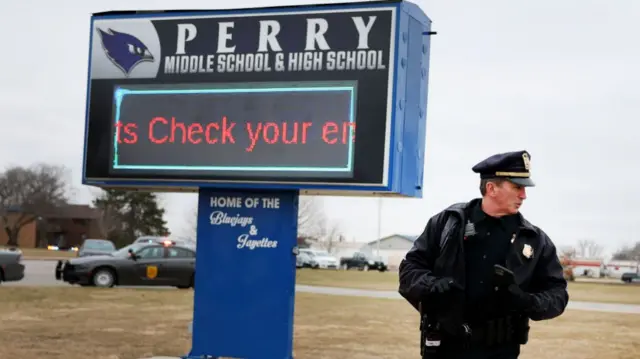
<point>527,161</point>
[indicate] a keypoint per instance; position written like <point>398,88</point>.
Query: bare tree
<point>631,253</point>
<point>191,230</point>
<point>312,220</point>
<point>589,249</point>
<point>314,223</point>
<point>568,252</point>
<point>29,193</point>
<point>331,234</point>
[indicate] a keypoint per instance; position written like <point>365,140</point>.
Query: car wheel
<point>103,278</point>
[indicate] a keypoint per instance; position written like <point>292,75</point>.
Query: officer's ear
<point>491,188</point>
<point>493,185</point>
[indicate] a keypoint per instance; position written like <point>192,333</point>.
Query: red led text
<point>195,133</point>
<point>161,130</point>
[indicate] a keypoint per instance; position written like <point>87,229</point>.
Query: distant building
<point>616,268</point>
<point>65,227</point>
<point>585,267</point>
<point>391,248</point>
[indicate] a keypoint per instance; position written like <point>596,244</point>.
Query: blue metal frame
<point>408,115</point>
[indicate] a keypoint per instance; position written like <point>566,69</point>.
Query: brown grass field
<point>75,323</point>
<point>606,292</point>
<point>41,253</point>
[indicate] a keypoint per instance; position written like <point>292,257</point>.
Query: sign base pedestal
<point>244,293</point>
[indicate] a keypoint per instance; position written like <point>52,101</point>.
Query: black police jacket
<point>438,252</point>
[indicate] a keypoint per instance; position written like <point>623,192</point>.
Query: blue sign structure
<point>245,275</point>
<point>251,108</point>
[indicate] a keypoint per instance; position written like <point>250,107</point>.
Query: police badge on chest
<point>469,230</point>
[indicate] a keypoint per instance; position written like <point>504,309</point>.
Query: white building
<point>338,249</point>
<point>391,248</point>
<point>587,267</point>
<point>616,268</point>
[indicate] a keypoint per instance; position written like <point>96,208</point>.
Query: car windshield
<point>124,251</point>
<point>99,245</point>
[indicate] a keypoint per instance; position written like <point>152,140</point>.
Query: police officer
<point>472,308</point>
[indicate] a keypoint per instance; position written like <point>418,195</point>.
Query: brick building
<point>65,227</point>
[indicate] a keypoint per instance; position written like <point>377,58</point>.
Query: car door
<point>180,264</point>
<point>359,260</point>
<point>149,267</point>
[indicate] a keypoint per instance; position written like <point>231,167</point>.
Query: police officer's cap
<point>512,166</point>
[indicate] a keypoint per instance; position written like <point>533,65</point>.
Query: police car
<point>160,263</point>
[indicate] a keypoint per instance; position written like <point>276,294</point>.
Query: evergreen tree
<point>130,214</point>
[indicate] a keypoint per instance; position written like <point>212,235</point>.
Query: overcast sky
<point>559,79</point>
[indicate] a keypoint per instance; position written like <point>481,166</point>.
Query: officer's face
<point>509,196</point>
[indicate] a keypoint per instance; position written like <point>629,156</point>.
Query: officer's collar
<point>476,215</point>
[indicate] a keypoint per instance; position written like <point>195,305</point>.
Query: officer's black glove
<point>522,300</point>
<point>444,285</point>
<point>503,277</point>
<point>505,280</point>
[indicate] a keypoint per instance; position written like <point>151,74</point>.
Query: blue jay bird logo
<point>124,50</point>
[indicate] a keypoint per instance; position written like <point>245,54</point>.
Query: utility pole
<point>379,226</point>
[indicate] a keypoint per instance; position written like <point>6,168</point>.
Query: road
<point>41,273</point>
<point>37,273</point>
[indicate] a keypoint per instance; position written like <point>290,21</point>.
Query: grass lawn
<point>79,323</point>
<point>43,253</point>
<point>579,291</point>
